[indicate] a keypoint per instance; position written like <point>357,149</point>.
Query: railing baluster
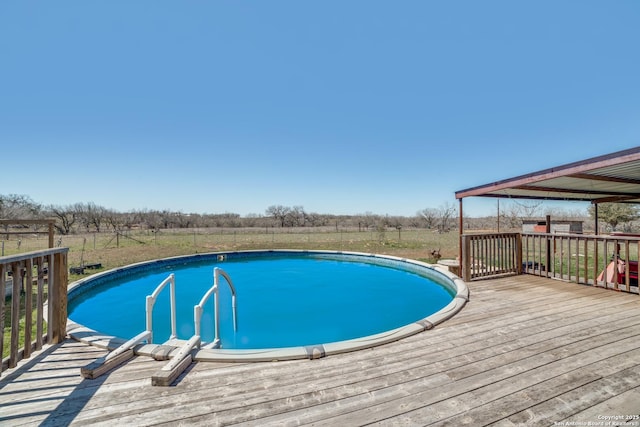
<point>22,268</point>
<point>552,255</point>
<point>16,278</point>
<point>50,296</point>
<point>40,304</point>
<point>3,284</point>
<point>28,309</point>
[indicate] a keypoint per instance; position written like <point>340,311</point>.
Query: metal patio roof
<point>613,177</point>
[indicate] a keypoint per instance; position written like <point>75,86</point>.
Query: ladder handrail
<point>197,310</point>
<point>151,300</point>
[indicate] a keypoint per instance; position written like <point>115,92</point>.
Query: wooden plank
<point>3,282</point>
<point>410,404</point>
<point>575,405</point>
<point>58,301</point>
<point>166,378</point>
<point>40,304</point>
<point>114,358</point>
<point>51,291</point>
<point>249,399</point>
<point>177,365</point>
<point>28,307</point>
<point>517,338</point>
<point>496,401</point>
<point>29,255</point>
<point>26,222</point>
<point>625,403</point>
<point>19,233</point>
<point>102,365</point>
<point>16,268</point>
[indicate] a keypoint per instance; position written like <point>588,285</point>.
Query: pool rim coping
<point>454,283</point>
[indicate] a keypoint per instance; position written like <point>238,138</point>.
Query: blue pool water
<point>282,301</point>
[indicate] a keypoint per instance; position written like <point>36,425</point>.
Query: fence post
<point>58,301</point>
<point>465,262</point>
<point>548,248</point>
<point>2,309</point>
<point>519,253</point>
<point>51,233</point>
<point>16,277</point>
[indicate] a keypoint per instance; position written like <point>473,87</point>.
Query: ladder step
<point>116,357</point>
<point>166,378</point>
<point>101,365</point>
<point>177,365</point>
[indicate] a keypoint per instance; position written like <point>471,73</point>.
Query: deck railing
<point>489,255</point>
<point>577,258</point>
<point>33,291</point>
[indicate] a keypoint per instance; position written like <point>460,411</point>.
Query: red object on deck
<point>610,272</point>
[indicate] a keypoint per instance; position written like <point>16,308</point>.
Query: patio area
<point>525,350</point>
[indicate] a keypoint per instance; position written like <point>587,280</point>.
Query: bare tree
<point>511,215</point>
<point>296,217</point>
<point>430,217</point>
<point>14,206</point>
<point>395,221</point>
<point>94,215</point>
<point>366,220</point>
<point>66,218</point>
<point>113,219</point>
<point>514,213</point>
<point>251,220</point>
<point>317,220</point>
<point>446,213</point>
<point>529,208</point>
<point>279,213</point>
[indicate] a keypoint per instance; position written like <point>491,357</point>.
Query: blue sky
<point>341,107</point>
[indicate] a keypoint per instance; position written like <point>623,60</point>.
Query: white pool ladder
<point>215,289</point>
<point>125,351</point>
<point>180,361</point>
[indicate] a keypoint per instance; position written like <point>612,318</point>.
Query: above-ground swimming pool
<point>289,303</point>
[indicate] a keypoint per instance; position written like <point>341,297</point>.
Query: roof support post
<point>548,254</point>
<point>460,231</point>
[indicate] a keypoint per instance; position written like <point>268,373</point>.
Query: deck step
<point>181,361</point>
<point>101,365</point>
<point>116,357</point>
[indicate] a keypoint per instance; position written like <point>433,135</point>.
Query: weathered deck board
<point>524,351</point>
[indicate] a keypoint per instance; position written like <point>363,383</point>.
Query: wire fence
<point>112,249</point>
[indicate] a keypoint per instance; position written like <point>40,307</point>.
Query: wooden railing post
<point>52,280</point>
<point>519,253</point>
<point>2,310</point>
<point>59,298</point>
<point>465,262</point>
<point>548,251</point>
<point>16,280</point>
<point>51,232</point>
<point>28,306</point>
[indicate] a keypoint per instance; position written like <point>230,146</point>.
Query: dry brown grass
<point>113,250</point>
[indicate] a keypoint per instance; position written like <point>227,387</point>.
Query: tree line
<point>90,217</point>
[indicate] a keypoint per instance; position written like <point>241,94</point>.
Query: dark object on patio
<point>76,270</point>
<point>93,266</point>
<point>528,265</point>
<point>83,266</point>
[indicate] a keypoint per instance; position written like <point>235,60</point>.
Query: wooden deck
<point>524,351</point>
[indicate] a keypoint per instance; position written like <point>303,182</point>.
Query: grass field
<point>113,250</point>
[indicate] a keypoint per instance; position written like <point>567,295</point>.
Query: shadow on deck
<point>525,350</point>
